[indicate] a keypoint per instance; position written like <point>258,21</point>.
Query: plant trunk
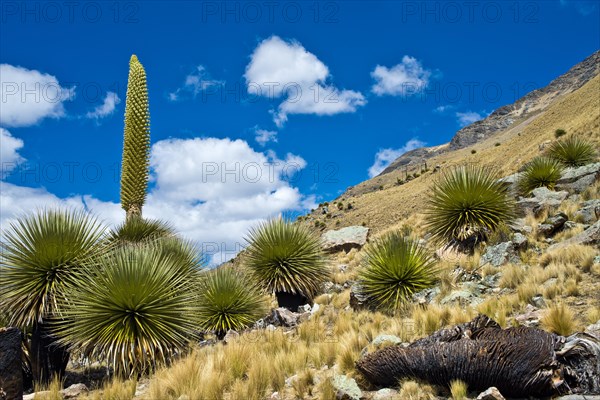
<point>291,301</point>
<point>134,211</point>
<point>520,362</point>
<point>48,359</point>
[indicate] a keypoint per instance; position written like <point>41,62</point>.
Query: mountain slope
<point>510,115</point>
<point>381,203</point>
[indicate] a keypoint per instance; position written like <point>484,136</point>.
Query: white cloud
<point>106,108</point>
<point>385,157</point>
<point>263,136</point>
<point>18,200</point>
<point>467,118</point>
<point>404,79</point>
<point>211,190</point>
<point>443,108</point>
<point>29,96</point>
<point>195,83</point>
<point>9,156</point>
<point>279,68</point>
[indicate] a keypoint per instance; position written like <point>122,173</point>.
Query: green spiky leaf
<point>136,141</point>
<point>140,230</point>
<point>41,252</point>
<point>394,268</point>
<point>227,301</point>
<point>539,172</point>
<point>132,307</point>
<point>286,257</point>
<point>467,204</point>
<point>573,152</point>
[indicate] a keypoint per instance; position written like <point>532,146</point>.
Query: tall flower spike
<point>136,141</point>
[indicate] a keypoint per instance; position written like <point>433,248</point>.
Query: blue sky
<point>258,108</point>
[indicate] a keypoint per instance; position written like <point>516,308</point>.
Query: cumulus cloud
<point>285,69</point>
<point>212,191</point>
<point>9,155</point>
<point>263,136</point>
<point>404,79</point>
<point>195,83</point>
<point>385,157</point>
<point>467,118</point>
<point>17,200</point>
<point>29,96</point>
<point>106,108</point>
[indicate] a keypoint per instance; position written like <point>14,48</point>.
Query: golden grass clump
<point>526,292</point>
<point>575,254</point>
<point>571,288</point>
<point>50,391</point>
<point>429,319</point>
<point>559,319</point>
<point>593,315</point>
<point>458,390</point>
<point>114,390</point>
<point>411,390</point>
<point>512,276</point>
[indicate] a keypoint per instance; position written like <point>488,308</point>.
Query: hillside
<point>381,203</point>
<point>509,115</point>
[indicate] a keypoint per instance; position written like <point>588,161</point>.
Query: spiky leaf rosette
<point>573,152</point>
<point>136,141</point>
<point>539,172</point>
<point>286,257</point>
<point>227,301</point>
<point>466,205</point>
<point>395,267</point>
<point>41,252</point>
<point>139,230</point>
<point>133,307</point>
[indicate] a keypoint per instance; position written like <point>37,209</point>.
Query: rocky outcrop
<point>553,224</point>
<point>529,104</point>
<point>11,374</point>
<point>578,179</point>
<point>346,239</point>
<point>591,236</point>
<point>359,300</point>
<point>541,199</point>
<point>283,317</point>
<point>589,212</point>
<point>500,254</point>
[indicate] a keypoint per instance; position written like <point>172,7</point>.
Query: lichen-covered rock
<point>553,224</point>
<point>571,175</point>
<point>385,394</point>
<point>283,317</point>
<point>542,199</point>
<point>499,254</point>
<point>346,388</point>
<point>520,241</point>
<point>390,339</point>
<point>490,394</point>
<point>345,239</point>
<point>589,212</point>
<point>359,300</point>
<point>591,236</point>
